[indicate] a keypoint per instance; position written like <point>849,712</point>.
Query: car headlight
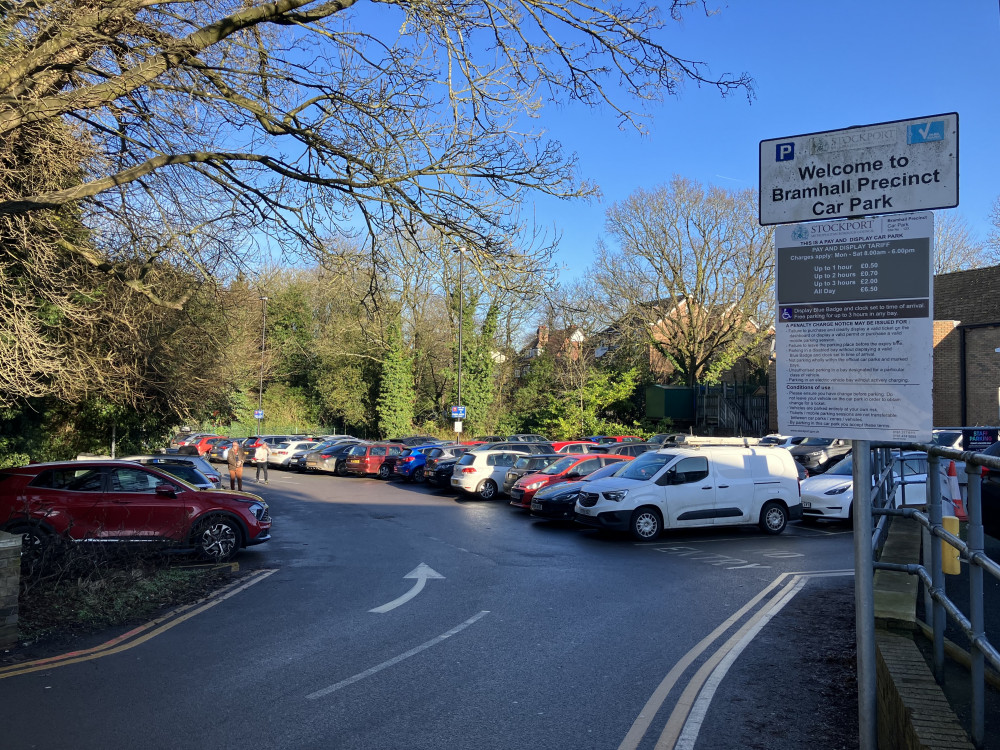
<point>838,490</point>
<point>257,509</point>
<point>534,485</point>
<point>616,496</point>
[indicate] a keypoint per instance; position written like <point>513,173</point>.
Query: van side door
<point>688,493</point>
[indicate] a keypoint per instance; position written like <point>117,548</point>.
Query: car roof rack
<point>696,440</point>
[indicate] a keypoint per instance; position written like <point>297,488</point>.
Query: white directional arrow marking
<point>422,572</point>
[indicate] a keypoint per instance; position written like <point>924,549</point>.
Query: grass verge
<point>109,598</point>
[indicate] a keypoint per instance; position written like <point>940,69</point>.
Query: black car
<point>557,502</point>
<point>629,449</point>
<point>819,454</point>
<point>990,497</point>
<point>528,464</point>
<point>441,476</point>
<point>443,453</point>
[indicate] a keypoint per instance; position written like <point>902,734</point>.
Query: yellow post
<point>949,555</point>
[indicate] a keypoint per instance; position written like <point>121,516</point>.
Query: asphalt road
<point>534,635</point>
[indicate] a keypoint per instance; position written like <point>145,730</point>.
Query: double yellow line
<point>787,585</point>
<point>140,634</point>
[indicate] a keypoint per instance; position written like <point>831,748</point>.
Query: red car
<point>201,444</point>
<point>87,501</point>
<point>368,459</point>
<point>569,468</point>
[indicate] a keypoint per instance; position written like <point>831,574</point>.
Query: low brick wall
<point>913,713</point>
<point>10,580</point>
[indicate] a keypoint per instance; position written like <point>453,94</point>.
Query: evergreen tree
<point>478,388</point>
<point>395,399</point>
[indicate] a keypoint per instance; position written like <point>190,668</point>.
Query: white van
<point>704,486</point>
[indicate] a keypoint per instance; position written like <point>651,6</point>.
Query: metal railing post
<point>976,618</point>
<point>864,596</point>
<point>936,612</point>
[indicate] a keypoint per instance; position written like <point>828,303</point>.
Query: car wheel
<point>418,475</point>
<point>35,543</point>
<point>340,469</point>
<point>487,489</point>
<point>217,538</point>
<point>773,517</point>
<point>646,524</point>
<point>383,472</point>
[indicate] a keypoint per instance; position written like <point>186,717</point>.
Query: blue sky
<point>817,66</point>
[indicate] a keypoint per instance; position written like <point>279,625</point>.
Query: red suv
<point>568,469</point>
<point>368,459</point>
<point>118,501</point>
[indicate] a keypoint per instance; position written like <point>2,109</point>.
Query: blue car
<point>410,463</point>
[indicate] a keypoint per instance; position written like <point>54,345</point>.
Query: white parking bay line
<point>396,659</point>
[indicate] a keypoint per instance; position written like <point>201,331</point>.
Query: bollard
<point>949,555</point>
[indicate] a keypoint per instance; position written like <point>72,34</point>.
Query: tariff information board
<point>855,327</point>
<point>889,167</point>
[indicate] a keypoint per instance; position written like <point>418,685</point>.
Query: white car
<point>282,453</point>
<point>704,486</point>
<point>483,472</point>
<point>780,441</point>
<point>831,495</point>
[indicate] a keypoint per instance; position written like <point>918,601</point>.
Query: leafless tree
<point>284,123</point>
<point>692,276</point>
<point>956,248</point>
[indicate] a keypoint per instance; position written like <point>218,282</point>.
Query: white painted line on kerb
<point>397,659</point>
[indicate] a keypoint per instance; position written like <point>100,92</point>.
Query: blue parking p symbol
<point>784,152</point>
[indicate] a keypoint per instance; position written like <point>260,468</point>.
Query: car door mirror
<point>166,490</point>
<point>668,478</point>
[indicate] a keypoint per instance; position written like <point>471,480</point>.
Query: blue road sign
<point>458,412</point>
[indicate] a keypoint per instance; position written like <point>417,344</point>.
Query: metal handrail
<point>942,607</point>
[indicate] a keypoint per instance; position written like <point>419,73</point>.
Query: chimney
<point>543,336</point>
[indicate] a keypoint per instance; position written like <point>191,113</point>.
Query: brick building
<point>967,348</point>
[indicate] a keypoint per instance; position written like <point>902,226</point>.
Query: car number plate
<point>807,505</point>
<point>587,511</point>
<point>516,494</point>
<point>536,506</point>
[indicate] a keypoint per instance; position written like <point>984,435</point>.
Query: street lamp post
<point>260,392</point>
<point>461,321</point>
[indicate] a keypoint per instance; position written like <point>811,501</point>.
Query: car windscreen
<point>844,467</point>
<point>357,450</point>
<point>771,441</point>
<point>646,466</point>
<point>407,452</point>
<point>605,471</point>
<point>815,441</point>
<point>947,439</point>
<point>560,466</point>
<point>467,459</point>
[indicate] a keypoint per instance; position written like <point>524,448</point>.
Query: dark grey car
<point>528,465</point>
<point>818,454</point>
